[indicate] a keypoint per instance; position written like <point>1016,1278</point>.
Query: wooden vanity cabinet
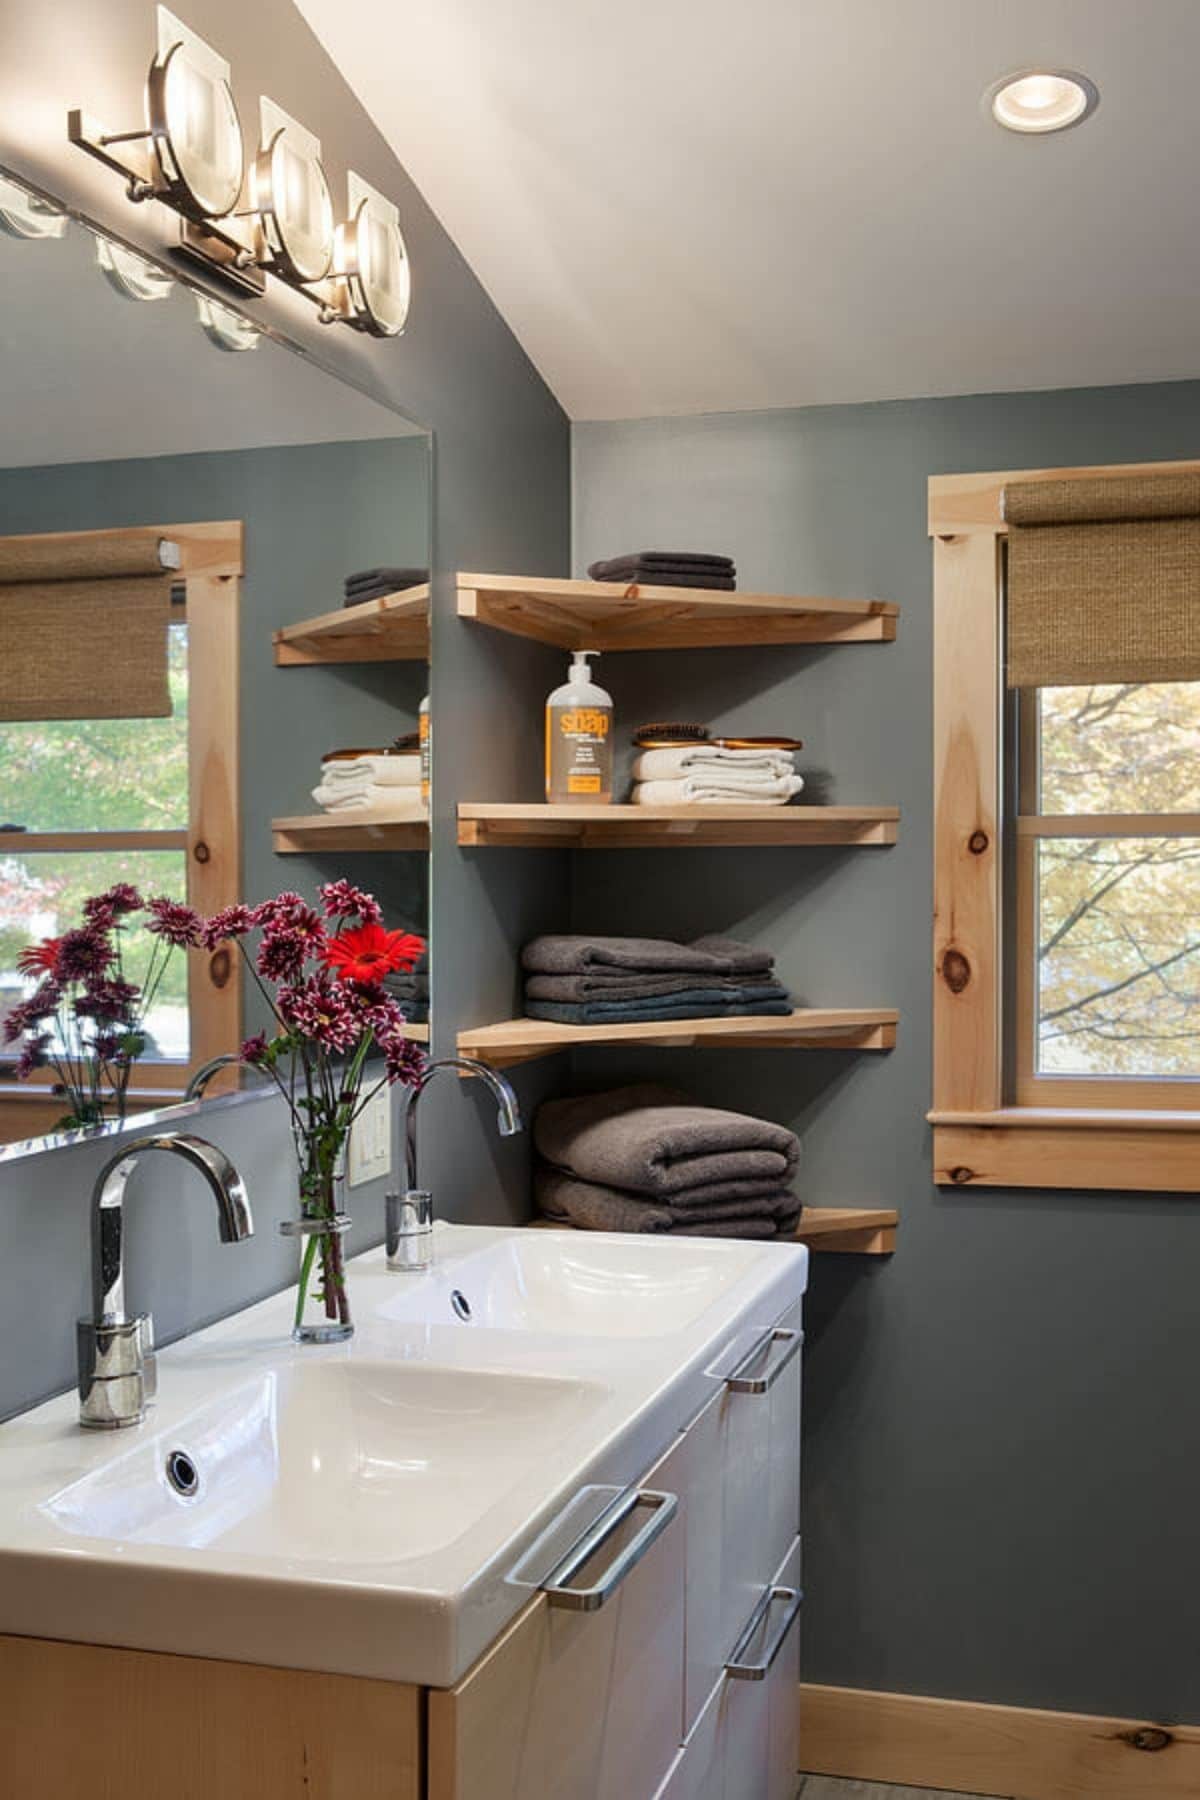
<point>636,1699</point>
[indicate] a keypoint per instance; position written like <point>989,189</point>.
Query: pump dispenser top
<point>579,742</point>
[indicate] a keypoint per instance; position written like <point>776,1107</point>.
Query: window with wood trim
<point>1067,828</point>
<point>86,802</point>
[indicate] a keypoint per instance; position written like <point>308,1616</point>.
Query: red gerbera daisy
<point>368,953</point>
<point>39,959</point>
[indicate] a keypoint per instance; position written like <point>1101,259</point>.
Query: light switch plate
<point>371,1140</point>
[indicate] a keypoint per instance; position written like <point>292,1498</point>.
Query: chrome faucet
<point>117,1375</point>
<point>410,1215</point>
<point>206,1072</point>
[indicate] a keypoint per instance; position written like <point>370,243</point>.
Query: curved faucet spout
<point>235,1221</point>
<point>508,1121</point>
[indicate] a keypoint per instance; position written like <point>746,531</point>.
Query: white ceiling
<point>684,206</point>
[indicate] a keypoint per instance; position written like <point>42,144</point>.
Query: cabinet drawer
<point>744,1745</point>
<point>576,1704</point>
<point>737,1472</point>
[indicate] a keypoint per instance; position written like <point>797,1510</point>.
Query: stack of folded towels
<point>668,568</point>
<point>649,1158</point>
<point>410,987</point>
<point>621,981</point>
<point>367,779</point>
<point>708,775</point>
<point>374,584</point>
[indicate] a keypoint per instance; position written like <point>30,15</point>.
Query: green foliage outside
<point>1119,917</point>
<point>95,775</point>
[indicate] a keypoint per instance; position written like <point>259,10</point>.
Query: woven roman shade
<point>83,625</point>
<point>1103,580</point>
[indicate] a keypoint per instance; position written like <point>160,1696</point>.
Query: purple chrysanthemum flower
<point>84,954</point>
<point>175,923</point>
<point>230,922</point>
<point>342,900</point>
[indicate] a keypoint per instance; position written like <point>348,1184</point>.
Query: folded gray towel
<point>614,984</point>
<point>562,1195</point>
<point>581,955</point>
<point>714,1005</point>
<point>655,1140</point>
<point>743,959</point>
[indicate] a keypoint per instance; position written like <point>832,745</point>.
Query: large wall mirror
<point>214,637</point>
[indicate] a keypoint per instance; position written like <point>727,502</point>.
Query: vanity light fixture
<point>371,265</point>
<point>276,218</point>
<point>25,214</point>
<point>290,199</point>
<point>222,326</point>
<point>133,276</point>
<point>1039,101</point>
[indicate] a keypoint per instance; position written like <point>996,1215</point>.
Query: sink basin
<point>355,1461</point>
<point>575,1283</point>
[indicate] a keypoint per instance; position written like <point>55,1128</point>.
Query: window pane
<point>1118,956</point>
<point>101,774</point>
<point>1120,749</point>
<point>42,896</point>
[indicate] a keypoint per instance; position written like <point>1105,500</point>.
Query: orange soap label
<point>583,784</point>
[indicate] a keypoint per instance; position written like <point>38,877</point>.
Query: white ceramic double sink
<point>369,1508</point>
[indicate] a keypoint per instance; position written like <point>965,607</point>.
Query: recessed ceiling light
<point>1036,101</point>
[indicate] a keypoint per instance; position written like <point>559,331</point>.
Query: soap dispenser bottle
<point>579,744</point>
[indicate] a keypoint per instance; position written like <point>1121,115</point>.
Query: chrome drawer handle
<point>737,1668</point>
<point>741,1383</point>
<point>663,1508</point>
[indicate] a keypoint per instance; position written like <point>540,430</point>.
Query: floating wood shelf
<point>859,1230</point>
<point>811,1028</point>
<point>419,1034</point>
<point>630,827</point>
<point>853,1230</point>
<point>393,828</point>
<point>604,615</point>
<point>394,628</point>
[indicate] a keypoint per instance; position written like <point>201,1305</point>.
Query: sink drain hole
<point>183,1474</point>
<point>460,1303</point>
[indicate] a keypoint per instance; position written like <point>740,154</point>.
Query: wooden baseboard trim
<point>1018,1753</point>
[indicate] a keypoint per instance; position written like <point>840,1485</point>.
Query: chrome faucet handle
<point>409,1229</point>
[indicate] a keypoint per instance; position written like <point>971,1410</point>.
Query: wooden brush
<point>669,737</point>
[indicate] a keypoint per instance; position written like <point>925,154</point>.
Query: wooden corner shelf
<point>394,628</point>
<point>857,1230</point>
<point>605,615</point>
<point>627,827</point>
<point>810,1028</point>
<point>391,828</point>
<point>852,1230</point>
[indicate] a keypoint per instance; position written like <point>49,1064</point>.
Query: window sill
<point>1054,1147</point>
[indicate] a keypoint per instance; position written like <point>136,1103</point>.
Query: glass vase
<point>322,1298</point>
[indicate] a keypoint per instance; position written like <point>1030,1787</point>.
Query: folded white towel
<point>383,771</point>
<point>341,798</point>
<point>688,759</point>
<point>707,790</point>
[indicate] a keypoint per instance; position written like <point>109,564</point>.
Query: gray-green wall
<point>1002,1442</point>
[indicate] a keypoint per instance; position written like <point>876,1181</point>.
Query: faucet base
<point>117,1371</point>
<point>409,1231</point>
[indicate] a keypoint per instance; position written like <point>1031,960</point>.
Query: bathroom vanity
<point>533,1533</point>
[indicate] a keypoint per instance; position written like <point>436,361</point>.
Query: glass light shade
<point>227,329</point>
<point>197,132</point>
<point>292,198</point>
<point>1042,100</point>
<point>373,262</point>
<point>27,215</point>
<point>133,276</point>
